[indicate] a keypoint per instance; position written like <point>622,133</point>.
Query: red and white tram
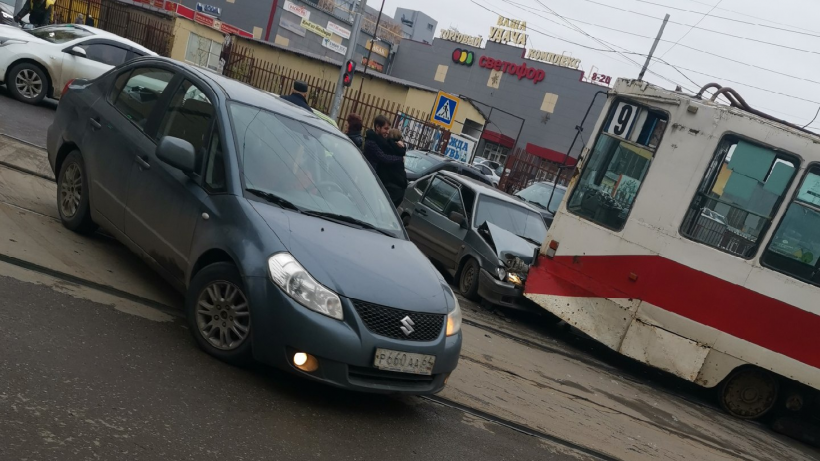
<point>689,240</point>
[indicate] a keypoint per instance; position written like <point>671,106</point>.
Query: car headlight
<point>501,273</point>
<point>454,318</point>
<point>6,15</point>
<point>294,280</point>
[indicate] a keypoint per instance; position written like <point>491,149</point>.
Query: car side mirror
<point>178,153</point>
<point>459,219</point>
<point>77,51</point>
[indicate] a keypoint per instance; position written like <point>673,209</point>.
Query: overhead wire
<point>691,29</point>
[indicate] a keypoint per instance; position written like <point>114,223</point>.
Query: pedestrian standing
<point>377,151</point>
<point>354,130</point>
<point>394,176</point>
<point>89,21</point>
<point>80,19</point>
<point>299,95</point>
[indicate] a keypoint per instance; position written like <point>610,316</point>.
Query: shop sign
<point>519,70</point>
<point>464,39</point>
<point>292,26</point>
<point>338,30</point>
<point>209,9</point>
<point>159,4</point>
<point>464,57</point>
<point>204,19</point>
<point>378,49</point>
<point>333,46</point>
<point>300,11</point>
<point>372,64</point>
<point>315,28</point>
<point>552,58</point>
<point>460,148</point>
<point>509,32</point>
<point>171,6</point>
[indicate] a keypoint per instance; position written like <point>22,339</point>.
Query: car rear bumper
<point>345,350</point>
<point>504,294</point>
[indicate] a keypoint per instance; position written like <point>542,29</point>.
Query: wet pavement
<point>25,121</point>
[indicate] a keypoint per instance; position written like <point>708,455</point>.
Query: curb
<point>21,169</point>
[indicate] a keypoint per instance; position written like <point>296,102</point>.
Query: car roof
<point>486,189</point>
<point>99,33</point>
<point>243,93</point>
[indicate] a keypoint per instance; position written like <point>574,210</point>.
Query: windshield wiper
<point>347,220</point>
<point>533,202</point>
<point>275,199</point>
<point>533,241</point>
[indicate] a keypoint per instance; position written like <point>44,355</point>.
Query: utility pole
<point>336,106</point>
<point>654,46</point>
<point>369,55</point>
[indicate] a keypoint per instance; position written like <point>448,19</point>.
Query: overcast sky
<point>790,23</point>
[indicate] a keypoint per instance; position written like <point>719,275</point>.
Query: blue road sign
<point>445,110</point>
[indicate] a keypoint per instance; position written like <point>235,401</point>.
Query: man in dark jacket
<point>376,150</point>
<point>299,96</point>
<point>39,12</point>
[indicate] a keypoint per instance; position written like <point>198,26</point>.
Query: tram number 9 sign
<point>622,119</point>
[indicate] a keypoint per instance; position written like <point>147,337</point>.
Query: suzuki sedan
<point>269,220</point>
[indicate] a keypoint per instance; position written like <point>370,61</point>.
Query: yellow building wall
<point>408,97</point>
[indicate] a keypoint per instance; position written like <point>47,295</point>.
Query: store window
<point>795,248</point>
<point>495,152</point>
<point>203,52</point>
<point>618,164</point>
<point>739,196</point>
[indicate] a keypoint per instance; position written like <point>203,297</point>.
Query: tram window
<point>739,196</point>
<point>795,248</point>
<point>617,165</point>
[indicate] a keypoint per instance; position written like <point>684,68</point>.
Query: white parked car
<point>38,63</point>
<point>488,172</point>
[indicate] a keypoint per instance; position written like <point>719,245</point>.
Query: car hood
<point>16,32</point>
<point>506,243</point>
<point>360,264</point>
<point>7,8</point>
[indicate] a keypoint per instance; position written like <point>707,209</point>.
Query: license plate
<point>404,362</point>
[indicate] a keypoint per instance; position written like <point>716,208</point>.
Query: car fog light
<point>305,362</point>
<point>514,279</point>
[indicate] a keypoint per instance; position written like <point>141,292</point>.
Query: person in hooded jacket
<point>354,130</point>
<point>299,96</point>
<point>393,175</point>
<point>378,152</point>
<point>39,12</point>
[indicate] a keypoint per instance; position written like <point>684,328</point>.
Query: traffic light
<point>350,69</point>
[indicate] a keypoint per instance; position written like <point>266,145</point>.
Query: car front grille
<point>387,322</point>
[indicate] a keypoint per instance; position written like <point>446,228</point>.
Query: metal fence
<point>241,65</point>
<point>523,169</point>
<point>140,26</point>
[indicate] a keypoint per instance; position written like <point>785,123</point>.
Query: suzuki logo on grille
<point>407,326</point>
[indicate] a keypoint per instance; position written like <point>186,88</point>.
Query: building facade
<point>528,104</point>
<point>415,25</point>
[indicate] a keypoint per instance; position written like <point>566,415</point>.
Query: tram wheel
<point>749,393</point>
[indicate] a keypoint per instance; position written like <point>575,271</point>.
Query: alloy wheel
<point>28,83</point>
<point>71,190</point>
<point>222,315</point>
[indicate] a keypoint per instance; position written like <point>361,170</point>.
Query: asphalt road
<point>25,121</point>
<point>80,380</point>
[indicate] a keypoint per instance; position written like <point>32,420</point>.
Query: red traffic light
<point>351,67</point>
<point>348,79</point>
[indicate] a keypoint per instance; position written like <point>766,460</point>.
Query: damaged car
<point>484,238</point>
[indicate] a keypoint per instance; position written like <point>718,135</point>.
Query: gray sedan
<point>270,221</point>
<point>484,238</point>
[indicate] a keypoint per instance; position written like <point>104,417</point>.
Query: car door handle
<point>421,211</point>
<point>143,163</point>
<point>95,123</point>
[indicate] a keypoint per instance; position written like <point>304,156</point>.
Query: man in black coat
<point>377,151</point>
<point>299,96</point>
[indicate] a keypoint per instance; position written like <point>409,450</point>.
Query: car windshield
<point>417,162</point>
<point>313,169</point>
<point>512,218</point>
<point>539,194</point>
<point>59,34</point>
<point>9,2</point>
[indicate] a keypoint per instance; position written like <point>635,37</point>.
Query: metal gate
<point>523,169</point>
<point>421,135</point>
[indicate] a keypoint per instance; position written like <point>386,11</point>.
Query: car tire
<point>28,83</point>
<point>468,279</point>
<point>218,315</point>
<point>73,202</point>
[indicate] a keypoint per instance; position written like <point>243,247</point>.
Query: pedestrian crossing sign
<point>444,110</point>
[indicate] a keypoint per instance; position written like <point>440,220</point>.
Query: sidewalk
<point>552,388</point>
